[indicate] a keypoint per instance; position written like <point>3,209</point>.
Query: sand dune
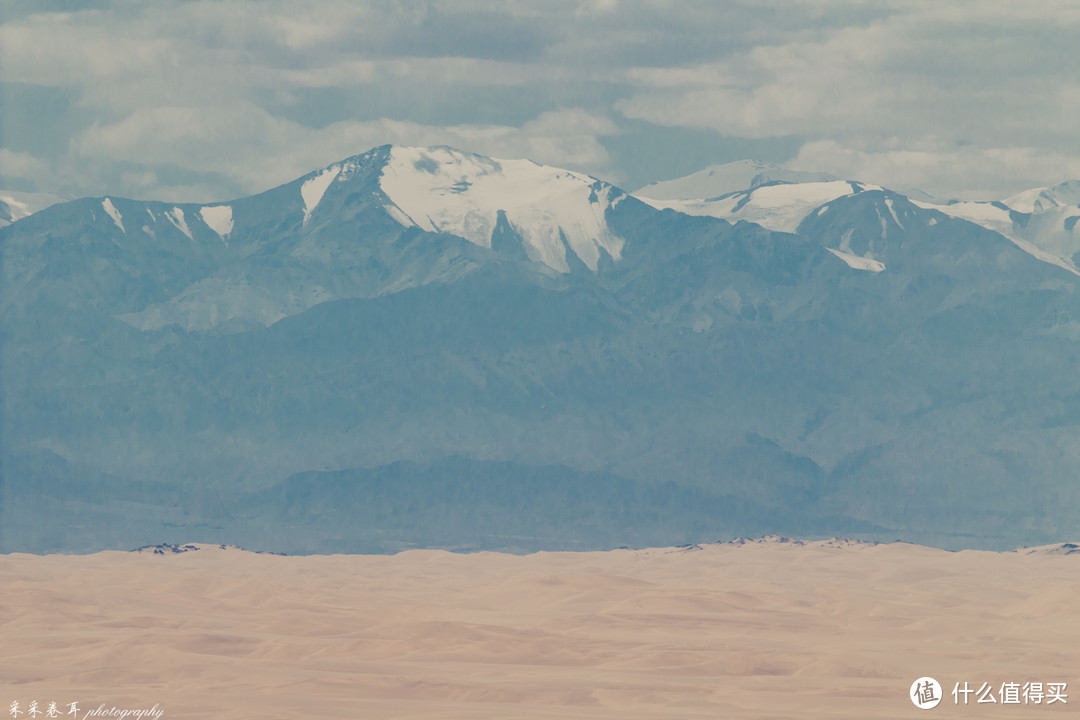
<point>764,629</point>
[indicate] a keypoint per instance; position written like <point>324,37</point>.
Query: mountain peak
<point>16,205</point>
<point>777,206</point>
<point>554,213</point>
<point>1045,198</point>
<point>717,180</point>
<point>441,189</point>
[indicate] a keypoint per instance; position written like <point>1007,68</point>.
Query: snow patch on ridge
<point>107,204</point>
<point>17,209</point>
<point>312,190</point>
<point>997,217</point>
<point>892,211</point>
<point>776,207</point>
<point>445,190</point>
<point>985,214</point>
<point>218,218</point>
<point>401,218</point>
<point>176,217</point>
<point>1040,254</point>
<point>858,263</point>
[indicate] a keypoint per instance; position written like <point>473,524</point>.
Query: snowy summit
<point>445,190</point>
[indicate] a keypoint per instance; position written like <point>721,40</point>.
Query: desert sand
<point>761,629</point>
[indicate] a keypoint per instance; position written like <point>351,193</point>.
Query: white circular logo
<point>925,693</point>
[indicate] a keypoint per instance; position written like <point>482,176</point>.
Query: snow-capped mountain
<point>786,206</point>
<point>553,217</point>
<point>1045,199</point>
<point>15,205</point>
<point>1041,222</point>
<point>554,211</point>
<point>444,190</point>
<point>717,180</point>
<point>422,346</point>
<point>777,206</point>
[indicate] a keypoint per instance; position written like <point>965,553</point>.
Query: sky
<point>213,100</point>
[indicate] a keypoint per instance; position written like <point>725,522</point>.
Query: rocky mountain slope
<point>426,347</point>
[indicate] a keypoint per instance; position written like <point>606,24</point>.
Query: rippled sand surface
<point>762,629</point>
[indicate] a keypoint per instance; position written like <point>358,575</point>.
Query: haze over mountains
<point>422,347</point>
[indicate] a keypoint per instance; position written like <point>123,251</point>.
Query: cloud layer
<point>205,100</point>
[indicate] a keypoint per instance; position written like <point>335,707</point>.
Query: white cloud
<point>969,172</point>
<point>256,150</point>
<point>21,165</point>
<point>932,95</point>
<point>832,87</point>
<point>221,87</point>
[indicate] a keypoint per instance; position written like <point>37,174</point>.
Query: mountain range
<point>423,347</point>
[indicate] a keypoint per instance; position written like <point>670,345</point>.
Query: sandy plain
<point>763,629</point>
